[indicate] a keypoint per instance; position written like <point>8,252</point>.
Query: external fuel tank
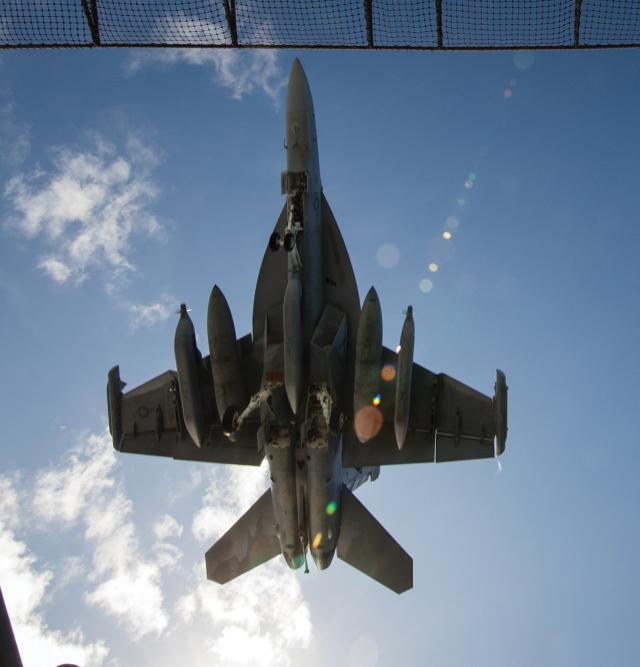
<point>403,379</point>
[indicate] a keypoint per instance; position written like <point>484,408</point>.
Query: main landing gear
<point>288,242</point>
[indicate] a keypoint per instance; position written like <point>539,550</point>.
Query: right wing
<point>367,546</point>
<point>149,420</point>
<point>449,421</point>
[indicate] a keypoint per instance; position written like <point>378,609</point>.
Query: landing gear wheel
<point>336,422</point>
<point>230,420</point>
<point>289,241</point>
<point>275,241</point>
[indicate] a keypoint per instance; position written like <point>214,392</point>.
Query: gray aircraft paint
<point>310,367</point>
<point>403,379</point>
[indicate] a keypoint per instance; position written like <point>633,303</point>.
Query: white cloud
<point>24,586</point>
<point>187,487</point>
<point>240,72</point>
<point>58,271</point>
<point>166,526</point>
<point>167,555</point>
<point>262,614</point>
<point>84,489</point>
<point>146,315</point>
<point>86,209</point>
<point>8,503</point>
<point>71,568</point>
<point>257,619</point>
<point>239,488</point>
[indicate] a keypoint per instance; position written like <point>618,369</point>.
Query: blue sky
<point>131,181</point>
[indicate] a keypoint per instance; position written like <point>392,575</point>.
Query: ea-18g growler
<point>312,389</point>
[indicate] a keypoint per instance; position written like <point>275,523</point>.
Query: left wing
<point>149,420</point>
<point>250,542</point>
<point>448,421</point>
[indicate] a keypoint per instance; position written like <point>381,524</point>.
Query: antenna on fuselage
<point>304,553</point>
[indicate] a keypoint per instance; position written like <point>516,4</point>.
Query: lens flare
<point>452,222</point>
<point>446,235</point>
<point>331,507</point>
<point>398,348</point>
<point>388,255</point>
<point>468,184</point>
<point>367,423</point>
<point>508,93</point>
<point>472,176</point>
<point>433,267</point>
<point>388,373</point>
<point>316,540</point>
<point>376,400</point>
<point>460,201</point>
<point>425,285</point>
<point>524,59</point>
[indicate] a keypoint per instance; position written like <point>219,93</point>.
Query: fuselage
<point>305,458</point>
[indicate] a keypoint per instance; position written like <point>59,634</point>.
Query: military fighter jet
<point>312,389</point>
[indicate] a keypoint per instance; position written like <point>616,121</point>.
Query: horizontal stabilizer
<point>251,541</point>
<point>367,546</point>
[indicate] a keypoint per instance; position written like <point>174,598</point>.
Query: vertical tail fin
<point>251,541</point>
<point>367,546</point>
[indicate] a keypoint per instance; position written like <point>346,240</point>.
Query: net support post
<point>90,8</point>
<point>230,13</point>
<point>368,15</point>
<point>439,22</point>
<point>576,26</point>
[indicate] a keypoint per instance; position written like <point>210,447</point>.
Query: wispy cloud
<point>241,73</point>
<point>14,136</point>
<point>86,208</point>
<point>25,584</point>
<point>259,617</point>
<point>148,314</point>
<point>83,490</point>
<point>166,526</point>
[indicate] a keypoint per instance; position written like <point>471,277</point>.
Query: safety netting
<point>360,24</point>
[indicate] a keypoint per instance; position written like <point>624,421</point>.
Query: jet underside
<point>311,389</point>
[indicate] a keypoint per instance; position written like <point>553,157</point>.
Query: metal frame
<point>91,14</point>
<point>230,13</point>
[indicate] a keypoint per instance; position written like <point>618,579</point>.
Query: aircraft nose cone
<point>297,72</point>
<point>298,91</point>
<point>322,559</point>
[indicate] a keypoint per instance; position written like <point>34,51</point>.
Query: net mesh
<point>162,22</point>
<point>508,23</point>
<point>419,24</point>
<point>611,23</point>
